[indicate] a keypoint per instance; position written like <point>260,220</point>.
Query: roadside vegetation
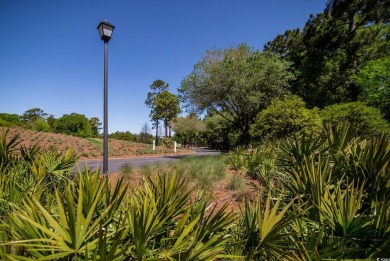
<point>317,197</point>
<point>88,148</point>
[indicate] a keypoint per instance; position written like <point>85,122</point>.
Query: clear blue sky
<point>51,56</point>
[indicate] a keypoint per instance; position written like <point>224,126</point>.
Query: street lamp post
<point>105,31</point>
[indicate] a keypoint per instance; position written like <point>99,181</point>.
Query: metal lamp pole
<point>105,31</point>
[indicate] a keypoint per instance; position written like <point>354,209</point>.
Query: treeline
<point>36,119</point>
<point>143,137</point>
<point>335,69</point>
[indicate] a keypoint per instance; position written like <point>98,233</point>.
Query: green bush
<point>368,121</point>
<point>168,142</point>
<point>40,124</point>
<point>120,135</point>
<point>11,120</point>
<point>144,137</point>
<point>374,80</point>
<point>284,117</point>
<point>74,124</point>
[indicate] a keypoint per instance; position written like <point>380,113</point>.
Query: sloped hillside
<point>87,148</point>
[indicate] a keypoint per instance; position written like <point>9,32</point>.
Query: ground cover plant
<point>329,201</point>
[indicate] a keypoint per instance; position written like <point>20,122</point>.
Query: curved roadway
<point>115,164</point>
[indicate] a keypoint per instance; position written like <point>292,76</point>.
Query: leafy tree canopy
<point>74,124</point>
<point>10,120</point>
<point>166,107</point>
<point>374,79</point>
<point>238,81</point>
<point>33,114</point>
<point>220,133</point>
<point>95,126</point>
<point>187,129</point>
<point>329,51</point>
<point>158,86</point>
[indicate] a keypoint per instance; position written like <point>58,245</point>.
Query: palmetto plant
<point>30,171</point>
<point>344,180</point>
<point>334,204</point>
<point>7,149</point>
<point>161,223</point>
<point>266,232</point>
<point>74,229</point>
<point>259,163</point>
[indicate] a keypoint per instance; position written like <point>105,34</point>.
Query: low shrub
<point>283,118</point>
<point>368,121</point>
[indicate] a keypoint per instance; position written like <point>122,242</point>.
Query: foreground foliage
<point>339,184</point>
<point>327,198</point>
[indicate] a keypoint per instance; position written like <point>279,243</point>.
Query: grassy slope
<point>86,148</point>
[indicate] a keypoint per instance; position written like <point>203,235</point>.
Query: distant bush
<point>74,124</point>
<point>40,125</point>
<point>10,120</point>
<point>128,136</point>
<point>367,120</point>
<point>284,117</point>
<point>168,142</point>
<point>120,135</point>
<point>144,137</point>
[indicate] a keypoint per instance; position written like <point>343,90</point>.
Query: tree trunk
<point>166,128</point>
<point>156,133</point>
<point>245,135</point>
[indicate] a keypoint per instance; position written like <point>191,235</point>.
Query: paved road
<point>115,164</point>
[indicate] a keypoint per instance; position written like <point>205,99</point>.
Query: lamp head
<point>105,30</point>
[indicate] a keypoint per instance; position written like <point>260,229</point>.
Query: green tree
<point>188,129</point>
<point>120,135</point>
<point>40,124</point>
<point>51,121</point>
<point>95,126</point>
<point>374,79</point>
<point>237,83</point>
<point>144,136</point>
<point>329,51</point>
<point>220,133</point>
<point>167,108</point>
<point>33,114</point>
<point>36,119</point>
<point>10,120</point>
<point>156,87</point>
<point>74,124</point>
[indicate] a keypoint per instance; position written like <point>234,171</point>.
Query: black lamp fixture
<point>105,30</point>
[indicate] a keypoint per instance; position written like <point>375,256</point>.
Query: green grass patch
<point>126,168</point>
<point>96,142</point>
<point>203,170</point>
